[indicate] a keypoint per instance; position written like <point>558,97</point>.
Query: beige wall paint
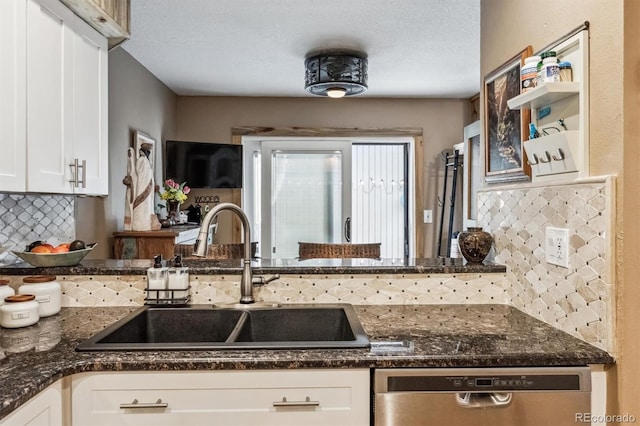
<point>629,263</point>
<point>137,101</point>
<point>507,26</point>
<point>442,121</point>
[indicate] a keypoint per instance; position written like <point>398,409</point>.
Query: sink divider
<point>233,336</point>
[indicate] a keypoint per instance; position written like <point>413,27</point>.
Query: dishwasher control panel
<point>522,382</point>
<point>490,380</point>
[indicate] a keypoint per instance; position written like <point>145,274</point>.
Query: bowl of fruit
<point>42,254</point>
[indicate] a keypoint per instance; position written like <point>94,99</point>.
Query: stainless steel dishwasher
<point>481,396</point>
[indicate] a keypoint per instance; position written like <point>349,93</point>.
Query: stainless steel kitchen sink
<point>206,327</point>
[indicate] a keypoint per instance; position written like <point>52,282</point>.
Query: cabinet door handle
<point>76,166</point>
<point>306,403</point>
<point>136,404</point>
<point>82,182</point>
<point>74,178</point>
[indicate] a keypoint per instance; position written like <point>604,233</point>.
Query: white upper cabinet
<point>90,108</point>
<point>13,128</point>
<point>48,118</point>
<point>64,102</point>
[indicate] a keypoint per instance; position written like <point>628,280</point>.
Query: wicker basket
<point>331,251</point>
<point>216,251</point>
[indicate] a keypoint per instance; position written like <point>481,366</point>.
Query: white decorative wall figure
<point>140,193</point>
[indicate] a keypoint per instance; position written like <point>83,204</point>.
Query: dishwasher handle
<point>484,400</point>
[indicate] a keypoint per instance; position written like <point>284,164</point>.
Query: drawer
<point>272,397</point>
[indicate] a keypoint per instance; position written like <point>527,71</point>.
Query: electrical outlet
<point>557,246</point>
<point>427,216</point>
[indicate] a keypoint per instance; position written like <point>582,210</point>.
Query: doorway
<point>330,190</point>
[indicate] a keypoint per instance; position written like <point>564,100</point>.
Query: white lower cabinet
<point>269,397</point>
<point>44,409</point>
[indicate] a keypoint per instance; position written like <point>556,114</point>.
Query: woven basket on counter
<point>216,251</point>
<point>334,250</point>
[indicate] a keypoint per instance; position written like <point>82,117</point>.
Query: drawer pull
<point>136,404</point>
<point>306,403</point>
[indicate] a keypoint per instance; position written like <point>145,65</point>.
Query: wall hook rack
<point>560,156</point>
<point>546,159</point>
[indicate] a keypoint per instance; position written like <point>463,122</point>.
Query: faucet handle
<point>260,280</point>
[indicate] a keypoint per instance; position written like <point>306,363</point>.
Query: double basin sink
<point>206,327</point>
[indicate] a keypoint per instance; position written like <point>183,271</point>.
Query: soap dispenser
<point>157,279</point>
<point>178,281</point>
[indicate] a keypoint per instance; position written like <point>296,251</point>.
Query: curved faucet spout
<point>200,247</point>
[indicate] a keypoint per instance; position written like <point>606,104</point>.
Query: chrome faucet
<point>200,249</point>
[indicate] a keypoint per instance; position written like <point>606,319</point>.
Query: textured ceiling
<point>415,48</point>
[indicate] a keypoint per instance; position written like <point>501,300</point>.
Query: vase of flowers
<point>174,194</point>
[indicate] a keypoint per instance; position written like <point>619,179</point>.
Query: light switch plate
<point>557,246</point>
<point>428,216</point>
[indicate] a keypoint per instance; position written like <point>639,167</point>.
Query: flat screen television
<point>204,165</point>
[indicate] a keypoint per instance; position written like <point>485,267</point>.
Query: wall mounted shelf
<point>563,153</point>
<point>544,95</point>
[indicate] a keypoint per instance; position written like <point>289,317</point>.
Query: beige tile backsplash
<point>105,290</point>
<point>578,300</point>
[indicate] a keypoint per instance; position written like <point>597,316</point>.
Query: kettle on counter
<point>194,214</point>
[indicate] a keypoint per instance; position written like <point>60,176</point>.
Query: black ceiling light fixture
<point>336,73</point>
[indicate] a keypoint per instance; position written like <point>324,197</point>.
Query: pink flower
<point>170,183</point>
<point>186,189</point>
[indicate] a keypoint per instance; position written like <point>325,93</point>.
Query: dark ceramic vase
<point>173,212</point>
<point>475,244</point>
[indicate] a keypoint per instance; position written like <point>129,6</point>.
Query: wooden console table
<point>143,244</point>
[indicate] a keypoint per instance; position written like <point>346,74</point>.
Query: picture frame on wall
<point>142,141</point>
<point>505,130</point>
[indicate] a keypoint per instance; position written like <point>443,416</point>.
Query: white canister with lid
<point>20,310</point>
<point>529,74</point>
<point>5,290</point>
<point>550,68</point>
<point>47,291</point>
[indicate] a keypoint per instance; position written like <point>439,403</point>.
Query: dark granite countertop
<point>267,266</point>
<point>32,358</point>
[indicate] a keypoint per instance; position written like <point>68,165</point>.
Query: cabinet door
<point>49,109</point>
<point>90,108</point>
<point>12,101</point>
<point>66,102</point>
<point>44,409</point>
<point>271,397</point>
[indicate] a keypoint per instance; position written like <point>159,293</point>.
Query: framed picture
<point>142,141</point>
<point>505,129</point>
